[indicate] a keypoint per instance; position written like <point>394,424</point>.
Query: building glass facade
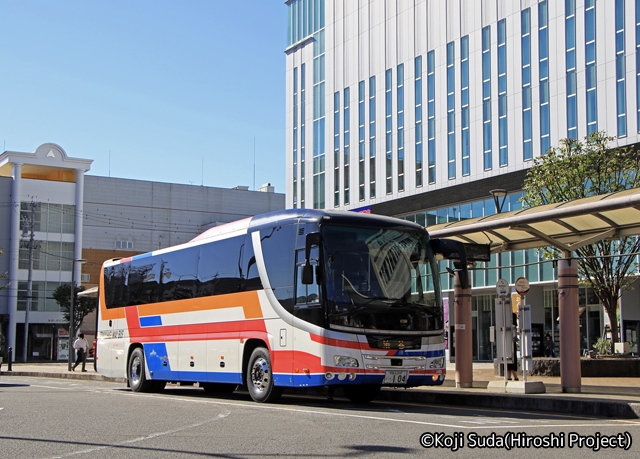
<point>463,106</point>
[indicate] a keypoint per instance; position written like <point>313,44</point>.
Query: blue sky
<point>149,90</point>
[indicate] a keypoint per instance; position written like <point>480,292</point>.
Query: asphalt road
<point>58,418</point>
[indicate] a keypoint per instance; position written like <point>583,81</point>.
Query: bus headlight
<point>345,361</point>
<point>437,363</point>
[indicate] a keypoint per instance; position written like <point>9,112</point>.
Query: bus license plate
<point>395,377</point>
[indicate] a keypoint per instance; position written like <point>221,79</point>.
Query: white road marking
<point>146,437</point>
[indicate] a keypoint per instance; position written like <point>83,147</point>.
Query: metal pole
<point>504,340</point>
<point>25,341</point>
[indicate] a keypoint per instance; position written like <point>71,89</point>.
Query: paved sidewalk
<point>606,397</point>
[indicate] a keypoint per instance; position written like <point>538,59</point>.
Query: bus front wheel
<point>260,377</point>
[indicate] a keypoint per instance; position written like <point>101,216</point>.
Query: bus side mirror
<point>307,269</point>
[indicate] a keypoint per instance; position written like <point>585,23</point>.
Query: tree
<point>577,170</point>
<point>81,306</point>
<point>3,275</point>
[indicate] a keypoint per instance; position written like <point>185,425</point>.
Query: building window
<point>525,39</point>
<point>543,57</point>
<point>400,140</point>
<point>431,115</point>
<point>388,120</point>
<point>336,149</point>
<point>451,111</point>
<point>41,296</point>
<point>570,45</point>
<point>305,17</point>
<point>346,134</point>
<point>464,96</point>
<point>418,110</point>
<point>638,62</point>
<point>318,122</point>
<point>47,256</point>
<point>372,137</point>
<point>486,97</point>
<point>295,137</point>
<point>502,93</point>
<point>302,135</point>
<point>621,92</point>
<point>590,61</point>
<point>48,218</point>
<point>124,245</point>
<point>361,140</point>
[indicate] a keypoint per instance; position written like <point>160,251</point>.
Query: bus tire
<point>361,393</point>
<point>260,377</point>
<point>136,373</point>
<point>218,388</point>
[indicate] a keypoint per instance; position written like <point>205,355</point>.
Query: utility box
<point>621,348</point>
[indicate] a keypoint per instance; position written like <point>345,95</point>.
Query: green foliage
<point>576,170</point>
<point>3,276</point>
<point>603,346</point>
<point>82,306</point>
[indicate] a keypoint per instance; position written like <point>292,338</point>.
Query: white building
<point>78,216</point>
<point>417,109</point>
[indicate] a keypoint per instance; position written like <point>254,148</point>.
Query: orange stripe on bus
<point>248,301</point>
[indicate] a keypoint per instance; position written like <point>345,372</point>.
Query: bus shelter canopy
<point>566,225</point>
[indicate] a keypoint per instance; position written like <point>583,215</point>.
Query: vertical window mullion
<point>361,140</point>
<point>346,134</point>
<point>543,54</point>
<point>621,92</point>
<point>388,108</point>
<point>464,96</point>
<point>418,113</point>
<point>502,94</point>
<point>431,116</point>
<point>400,126</point>
<point>570,59</point>
<point>451,109</point>
<point>590,64</point>
<point>525,28</point>
<point>372,137</point>
<point>336,149</point>
<point>486,98</point>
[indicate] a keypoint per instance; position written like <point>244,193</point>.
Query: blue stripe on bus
<point>151,321</point>
<point>157,358</point>
<point>142,255</point>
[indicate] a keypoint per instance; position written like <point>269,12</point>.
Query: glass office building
<point>431,104</point>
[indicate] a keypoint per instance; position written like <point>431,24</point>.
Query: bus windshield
<point>376,280</point>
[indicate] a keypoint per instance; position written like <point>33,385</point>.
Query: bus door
<point>307,308</point>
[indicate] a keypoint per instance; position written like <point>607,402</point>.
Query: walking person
<point>81,346</point>
<point>549,346</point>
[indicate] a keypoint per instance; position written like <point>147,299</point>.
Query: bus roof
<point>239,227</point>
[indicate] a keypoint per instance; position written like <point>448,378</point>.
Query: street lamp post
<point>71,311</point>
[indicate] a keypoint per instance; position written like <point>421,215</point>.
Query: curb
<point>538,403</point>
<point>70,375</point>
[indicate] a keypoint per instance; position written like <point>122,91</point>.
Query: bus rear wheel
<point>260,377</point>
<point>136,373</point>
<point>361,393</point>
